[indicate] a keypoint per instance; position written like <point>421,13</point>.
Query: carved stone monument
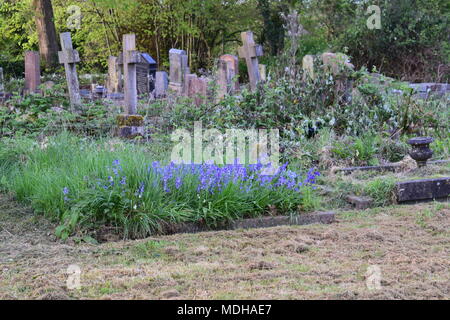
<point>70,57</point>
<point>250,51</point>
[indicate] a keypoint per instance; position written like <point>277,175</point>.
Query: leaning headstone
<point>178,70</point>
<point>130,124</point>
<point>250,51</point>
<point>114,82</point>
<point>70,57</point>
<point>308,67</point>
<point>161,84</point>
<point>32,72</point>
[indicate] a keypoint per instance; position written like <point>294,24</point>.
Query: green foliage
<point>359,150</point>
<point>393,151</point>
<point>381,190</point>
<point>78,183</point>
<point>50,112</point>
<point>409,44</point>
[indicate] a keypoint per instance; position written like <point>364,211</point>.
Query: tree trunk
<point>45,25</point>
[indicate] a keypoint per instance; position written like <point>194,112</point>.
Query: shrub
<point>381,190</point>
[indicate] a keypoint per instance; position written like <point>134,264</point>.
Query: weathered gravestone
<point>228,72</point>
<point>70,57</point>
<point>178,70</point>
<point>130,124</point>
<point>339,64</point>
<point>308,67</point>
<point>428,90</point>
<point>145,73</point>
<point>263,72</point>
<point>250,51</point>
<point>32,72</point>
<point>197,89</point>
<point>114,82</point>
<point>161,84</point>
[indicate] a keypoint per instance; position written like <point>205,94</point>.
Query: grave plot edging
<point>422,190</point>
<point>256,223</point>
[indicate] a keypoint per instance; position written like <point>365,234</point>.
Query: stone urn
<point>421,151</point>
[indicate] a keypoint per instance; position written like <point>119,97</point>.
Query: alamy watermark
<point>73,281</point>
<point>74,19</point>
<point>374,21</point>
<point>373,278</point>
<point>234,146</point>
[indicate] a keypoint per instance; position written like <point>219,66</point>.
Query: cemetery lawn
<point>411,244</point>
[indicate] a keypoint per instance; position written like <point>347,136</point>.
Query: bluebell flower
<point>141,190</point>
<point>178,183</point>
<point>66,191</point>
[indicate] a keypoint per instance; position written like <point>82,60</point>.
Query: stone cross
<point>250,51</point>
<point>161,84</point>
<point>130,124</point>
<point>228,72</point>
<point>131,57</point>
<point>178,70</point>
<point>114,84</point>
<point>32,72</point>
<point>2,86</point>
<point>70,57</point>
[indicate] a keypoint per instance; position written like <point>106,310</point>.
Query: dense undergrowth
<point>65,164</point>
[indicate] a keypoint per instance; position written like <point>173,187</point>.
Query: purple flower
<point>141,190</point>
<point>178,183</point>
<point>65,193</point>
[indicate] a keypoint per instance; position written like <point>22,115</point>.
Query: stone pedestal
<point>130,126</point>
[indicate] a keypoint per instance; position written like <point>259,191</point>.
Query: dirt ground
<point>406,247</point>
